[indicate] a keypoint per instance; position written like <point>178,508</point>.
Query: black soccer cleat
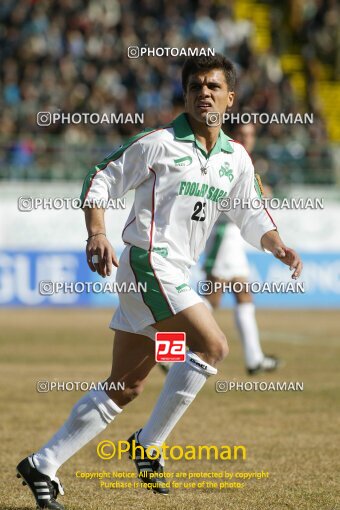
<point>268,364</point>
<point>43,488</point>
<point>148,469</point>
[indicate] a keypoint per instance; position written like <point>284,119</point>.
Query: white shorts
<point>168,291</point>
<point>226,256</point>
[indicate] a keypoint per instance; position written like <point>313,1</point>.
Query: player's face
<point>246,134</point>
<point>206,92</point>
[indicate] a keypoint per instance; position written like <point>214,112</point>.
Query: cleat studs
<point>18,476</point>
<point>24,483</point>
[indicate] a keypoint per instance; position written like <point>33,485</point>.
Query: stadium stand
<point>71,55</point>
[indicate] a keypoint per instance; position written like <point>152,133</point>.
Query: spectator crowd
<point>72,56</point>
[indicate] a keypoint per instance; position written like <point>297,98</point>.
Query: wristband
<point>94,235</point>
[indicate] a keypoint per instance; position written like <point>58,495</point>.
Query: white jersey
<point>176,203</point>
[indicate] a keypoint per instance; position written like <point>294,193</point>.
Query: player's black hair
<point>193,65</point>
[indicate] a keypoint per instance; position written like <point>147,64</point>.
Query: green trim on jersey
<point>211,257</point>
<point>116,154</point>
<point>144,273</point>
<point>183,132</point>
<point>258,185</point>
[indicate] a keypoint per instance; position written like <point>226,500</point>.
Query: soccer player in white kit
<point>226,262</point>
<point>175,172</point>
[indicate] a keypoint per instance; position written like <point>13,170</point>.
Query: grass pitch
<point>292,435</point>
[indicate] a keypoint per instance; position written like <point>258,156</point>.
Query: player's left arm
<point>271,241</point>
<point>256,225</point>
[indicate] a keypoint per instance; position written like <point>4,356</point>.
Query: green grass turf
<point>292,435</point>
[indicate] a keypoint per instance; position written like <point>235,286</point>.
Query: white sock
<point>181,386</point>
<point>247,326</point>
<point>90,416</point>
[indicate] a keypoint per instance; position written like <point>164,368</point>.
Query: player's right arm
<point>97,244</point>
<point>124,169</point>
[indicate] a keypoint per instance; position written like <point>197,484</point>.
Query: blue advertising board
<point>21,274</point>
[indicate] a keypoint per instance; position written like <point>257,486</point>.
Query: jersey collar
<point>183,132</point>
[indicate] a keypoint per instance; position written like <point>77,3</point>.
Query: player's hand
<point>290,258</point>
<point>101,247</point>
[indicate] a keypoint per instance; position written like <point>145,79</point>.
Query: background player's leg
<point>133,358</point>
<point>256,361</point>
<point>245,320</point>
<point>207,345</point>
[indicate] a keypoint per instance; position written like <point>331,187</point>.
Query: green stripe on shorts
<point>211,257</point>
<point>144,273</point>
